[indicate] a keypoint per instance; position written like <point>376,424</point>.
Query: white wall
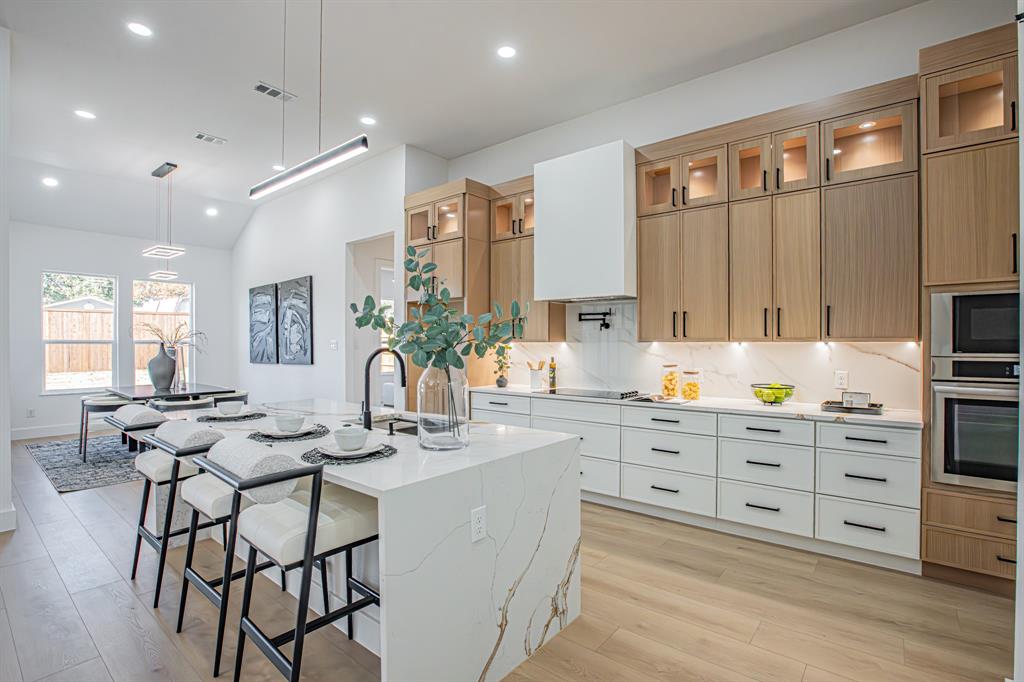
<point>38,248</point>
<point>7,514</point>
<point>862,55</point>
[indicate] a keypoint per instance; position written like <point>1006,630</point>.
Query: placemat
<point>252,416</point>
<point>319,432</point>
<point>317,456</point>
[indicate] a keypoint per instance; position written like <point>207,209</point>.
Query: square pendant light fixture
<point>164,251</point>
<point>163,275</point>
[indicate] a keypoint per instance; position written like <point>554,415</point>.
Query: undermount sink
<point>402,426</point>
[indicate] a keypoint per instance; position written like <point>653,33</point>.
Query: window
<point>78,331</point>
<point>386,284</point>
<point>158,306</point>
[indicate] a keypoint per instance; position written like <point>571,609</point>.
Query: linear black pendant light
<point>324,159</point>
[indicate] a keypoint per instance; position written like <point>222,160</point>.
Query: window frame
<point>44,342</point>
<point>191,369</point>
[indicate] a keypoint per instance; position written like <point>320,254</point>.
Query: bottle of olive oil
<point>552,377</point>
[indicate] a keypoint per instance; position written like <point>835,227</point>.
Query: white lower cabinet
<point>598,440</point>
<point>783,466</point>
<point>507,418</point>
<point>672,489</point>
<point>599,476</point>
<point>788,511</point>
<point>676,451</point>
<point>495,402</point>
<point>877,527</point>
<point>875,478</point>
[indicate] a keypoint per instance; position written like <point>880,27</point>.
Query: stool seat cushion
<point>156,466</point>
<point>279,530</point>
<point>138,415</point>
<point>209,495</point>
<point>185,434</point>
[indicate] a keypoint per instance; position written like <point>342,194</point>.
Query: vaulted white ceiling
<point>426,70</point>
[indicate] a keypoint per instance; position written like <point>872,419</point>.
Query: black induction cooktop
<point>606,394</point>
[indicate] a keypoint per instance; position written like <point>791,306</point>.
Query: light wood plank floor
<point>661,601</point>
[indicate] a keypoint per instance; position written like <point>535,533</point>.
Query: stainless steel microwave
<point>978,324</point>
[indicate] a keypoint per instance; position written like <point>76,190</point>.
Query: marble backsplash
<point>613,358</point>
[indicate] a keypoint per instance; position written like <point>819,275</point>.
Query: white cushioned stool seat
<point>279,530</point>
<point>210,496</point>
<point>156,466</point>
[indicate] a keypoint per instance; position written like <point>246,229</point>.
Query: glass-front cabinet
<point>703,177</point>
<point>512,216</point>
<point>748,168</point>
<point>419,224</point>
<point>869,144</point>
<point>657,186</point>
<point>970,105</point>
<point>440,221</point>
<point>796,159</point>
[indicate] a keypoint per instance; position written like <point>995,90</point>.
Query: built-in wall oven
<point>975,368</point>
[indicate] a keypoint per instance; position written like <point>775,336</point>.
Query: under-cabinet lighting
<point>529,201</point>
<point>867,124</point>
<point>837,151</point>
<point>165,251</point>
<point>163,275</point>
<point>319,163</point>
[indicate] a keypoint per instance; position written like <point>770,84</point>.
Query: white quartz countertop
<point>910,419</point>
<point>409,466</point>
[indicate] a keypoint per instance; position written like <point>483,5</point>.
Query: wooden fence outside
<point>98,325</point>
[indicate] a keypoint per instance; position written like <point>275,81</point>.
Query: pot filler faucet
<point>367,418</point>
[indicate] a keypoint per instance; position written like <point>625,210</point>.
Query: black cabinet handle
<point>758,428</point>
<point>684,194</point>
<point>684,324</point>
<point>828,169</point>
<point>880,441</point>
<point>667,490</point>
<point>1005,519</point>
<point>667,452</point>
<point>673,196</point>
<point>764,464</point>
<point>764,180</point>
<point>828,320</point>
<point>521,226</point>
<point>494,402</point>
<point>1005,560</point>
<point>766,323</point>
<point>675,318</point>
<point>778,322</point>
<point>877,479</point>
<point>667,421</point>
<point>435,232</point>
<point>761,506</point>
<point>880,529</point>
<point>1013,238</point>
<point>778,184</point>
<point>1013,115</point>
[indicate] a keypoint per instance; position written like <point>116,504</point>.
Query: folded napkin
<point>247,459</point>
<point>136,415</point>
<point>185,434</point>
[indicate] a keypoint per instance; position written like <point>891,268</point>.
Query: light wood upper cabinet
<point>703,178</point>
<point>869,144</point>
<point>748,168</point>
<point>870,260</point>
<point>705,294</point>
<point>506,274</point>
<point>659,274</point>
<point>657,186</point>
<point>512,216</point>
<point>450,272</point>
<point>795,154</point>
<point>970,105</point>
<point>512,280</point>
<point>440,221</point>
<point>796,230</point>
<point>750,270</point>
<point>971,214</point>
<point>419,225</point>
<point>527,222</point>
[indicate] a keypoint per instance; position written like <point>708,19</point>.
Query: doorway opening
<point>371,270</point>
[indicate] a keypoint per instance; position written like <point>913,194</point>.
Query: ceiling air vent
<point>207,137</point>
<point>273,91</point>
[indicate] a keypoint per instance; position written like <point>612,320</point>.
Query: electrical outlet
<point>478,524</point>
<point>842,379</point>
<point>30,413</point>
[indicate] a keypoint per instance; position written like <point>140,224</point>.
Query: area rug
<point>109,463</point>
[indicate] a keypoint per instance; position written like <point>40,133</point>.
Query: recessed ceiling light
<point>82,113</point>
<point>867,124</point>
<point>278,167</point>
<point>212,211</point>
<point>50,182</point>
<point>506,52</point>
<point>368,120</point>
<point>140,29</point>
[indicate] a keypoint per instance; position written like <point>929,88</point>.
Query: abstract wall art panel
<point>295,321</point>
<point>263,324</point>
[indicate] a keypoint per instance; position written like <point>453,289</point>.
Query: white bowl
<point>350,436</point>
<point>289,423</point>
<point>230,407</point>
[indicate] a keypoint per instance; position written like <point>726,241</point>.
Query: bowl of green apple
<point>773,394</point>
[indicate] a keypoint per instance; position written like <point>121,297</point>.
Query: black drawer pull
<point>1005,519</point>
<point>1005,560</point>
<point>880,529</point>
<point>880,441</point>
<point>761,506</point>
<point>758,428</point>
<point>867,478</point>
<point>494,402</point>
<point>667,490</point>
<point>667,452</point>
<point>764,464</point>
<point>667,421</point>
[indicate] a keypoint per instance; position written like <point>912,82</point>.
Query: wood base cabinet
<point>870,260</point>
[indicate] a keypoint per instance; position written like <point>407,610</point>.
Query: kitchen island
<point>453,608</point>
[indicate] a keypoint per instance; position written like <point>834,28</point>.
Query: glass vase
<point>442,409</point>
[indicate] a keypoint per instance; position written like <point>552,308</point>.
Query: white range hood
<point>585,238</point>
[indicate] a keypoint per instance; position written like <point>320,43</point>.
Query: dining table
<point>185,391</point>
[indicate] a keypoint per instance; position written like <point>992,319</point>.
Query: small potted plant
<point>502,360</point>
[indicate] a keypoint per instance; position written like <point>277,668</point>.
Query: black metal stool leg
<point>192,525</point>
<point>284,580</point>
<point>147,485</point>
<point>124,438</point>
<point>85,436</point>
<point>172,492</point>
<point>81,435</point>
<point>323,585</point>
<point>348,587</point>
<point>307,579</point>
<point>250,573</point>
<point>225,587</point>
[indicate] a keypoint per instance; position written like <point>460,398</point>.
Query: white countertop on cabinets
<point>908,419</point>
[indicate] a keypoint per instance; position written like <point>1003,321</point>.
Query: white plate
<point>374,442</point>
<point>274,433</point>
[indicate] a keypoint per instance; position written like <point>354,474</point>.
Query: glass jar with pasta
<point>670,381</point>
<point>692,382</point>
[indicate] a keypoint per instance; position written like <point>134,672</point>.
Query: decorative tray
<point>837,406</point>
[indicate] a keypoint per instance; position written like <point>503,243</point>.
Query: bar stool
<point>134,421</point>
<point>305,527</point>
<point>96,404</point>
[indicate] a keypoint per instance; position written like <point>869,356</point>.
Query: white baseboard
<point>8,519</point>
<point>56,430</point>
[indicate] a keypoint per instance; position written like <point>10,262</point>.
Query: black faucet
<point>367,418</point>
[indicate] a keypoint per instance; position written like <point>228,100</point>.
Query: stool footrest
<point>364,589</point>
<point>264,644</point>
<point>208,588</point>
<point>323,620</point>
